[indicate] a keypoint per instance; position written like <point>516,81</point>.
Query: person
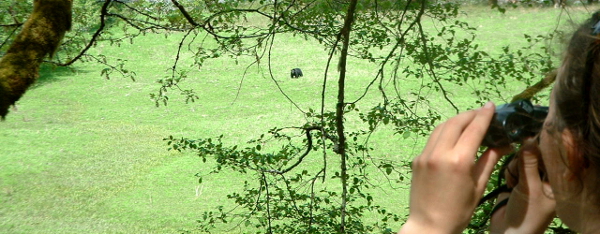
<point>556,173</point>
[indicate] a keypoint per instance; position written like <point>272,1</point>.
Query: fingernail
<point>489,105</point>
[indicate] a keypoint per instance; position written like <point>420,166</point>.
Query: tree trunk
<point>493,3</point>
<point>339,116</point>
<point>40,37</point>
<point>560,3</point>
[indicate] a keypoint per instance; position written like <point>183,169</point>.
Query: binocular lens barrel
<point>513,122</point>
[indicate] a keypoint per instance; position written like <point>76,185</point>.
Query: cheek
<point>551,157</point>
<point>557,172</point>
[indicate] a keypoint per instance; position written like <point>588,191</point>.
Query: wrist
<point>412,226</point>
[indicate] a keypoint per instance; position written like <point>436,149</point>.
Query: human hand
<point>447,181</point>
<point>530,207</point>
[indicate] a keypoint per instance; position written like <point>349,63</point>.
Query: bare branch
<point>429,62</point>
<point>9,36</point>
<point>132,23</point>
<point>136,10</point>
<point>275,81</point>
<point>103,13</point>
<point>11,25</point>
<point>324,88</point>
<point>309,146</point>
<point>185,13</point>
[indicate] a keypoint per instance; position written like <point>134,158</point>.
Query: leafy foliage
<point>12,16</point>
<point>282,191</point>
<point>282,196</point>
<point>389,34</point>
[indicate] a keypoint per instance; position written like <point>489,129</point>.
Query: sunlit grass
<point>82,154</point>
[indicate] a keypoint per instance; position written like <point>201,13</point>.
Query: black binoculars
<point>513,122</point>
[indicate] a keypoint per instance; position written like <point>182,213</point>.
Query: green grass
<point>85,155</point>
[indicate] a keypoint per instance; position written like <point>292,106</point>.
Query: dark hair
<point>577,98</point>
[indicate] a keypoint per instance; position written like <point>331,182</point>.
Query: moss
<point>4,103</point>
<point>40,37</point>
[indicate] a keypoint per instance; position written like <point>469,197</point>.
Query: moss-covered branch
<point>530,91</point>
<point>40,37</point>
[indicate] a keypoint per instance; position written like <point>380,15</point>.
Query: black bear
<point>296,72</point>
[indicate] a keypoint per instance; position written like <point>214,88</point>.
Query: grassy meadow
<point>83,154</point>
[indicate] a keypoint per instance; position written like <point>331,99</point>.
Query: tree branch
<point>136,10</point>
<point>185,13</point>
<point>309,146</point>
<point>8,38</point>
<point>11,25</point>
<point>269,218</point>
<point>103,13</point>
<point>537,87</point>
<point>429,62</point>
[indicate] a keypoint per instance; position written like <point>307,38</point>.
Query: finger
<point>511,173</point>
<point>497,221</point>
<point>471,138</point>
<point>498,218</point>
<point>547,188</point>
<point>529,163</point>
<point>453,130</point>
<point>484,167</point>
<point>433,138</point>
<point>505,150</point>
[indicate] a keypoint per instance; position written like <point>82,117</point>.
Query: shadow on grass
<point>51,73</point>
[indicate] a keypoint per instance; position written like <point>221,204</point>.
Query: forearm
<point>521,215</point>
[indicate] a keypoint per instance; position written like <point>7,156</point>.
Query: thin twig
<point>174,68</point>
<point>275,81</point>
<point>103,13</point>
<point>429,62</point>
<point>9,36</point>
<point>266,184</point>
<point>136,10</point>
<point>331,53</point>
